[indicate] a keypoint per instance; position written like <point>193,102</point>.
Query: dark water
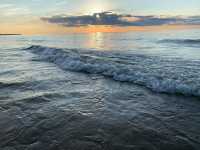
<point>84,97</point>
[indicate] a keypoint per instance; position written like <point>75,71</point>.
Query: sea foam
<point>156,73</point>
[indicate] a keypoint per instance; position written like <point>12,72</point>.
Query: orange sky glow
<point>47,28</point>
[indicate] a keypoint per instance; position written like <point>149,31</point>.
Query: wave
<point>15,84</point>
<point>182,41</point>
<point>155,73</point>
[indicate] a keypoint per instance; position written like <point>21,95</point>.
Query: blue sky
<point>141,7</point>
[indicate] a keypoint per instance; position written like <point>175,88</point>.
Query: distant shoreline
<point>9,34</point>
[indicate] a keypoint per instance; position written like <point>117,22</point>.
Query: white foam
<point>169,76</point>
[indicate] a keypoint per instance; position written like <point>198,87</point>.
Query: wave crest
<point>182,41</point>
<point>168,76</point>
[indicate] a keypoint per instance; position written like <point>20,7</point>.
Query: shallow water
<point>55,98</point>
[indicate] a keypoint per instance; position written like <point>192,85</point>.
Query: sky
<point>62,16</point>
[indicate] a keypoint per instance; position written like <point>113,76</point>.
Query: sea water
<point>133,90</point>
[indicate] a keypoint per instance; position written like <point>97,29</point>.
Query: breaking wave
<point>158,74</point>
<point>182,41</point>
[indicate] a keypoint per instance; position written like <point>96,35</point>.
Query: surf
<point>155,73</point>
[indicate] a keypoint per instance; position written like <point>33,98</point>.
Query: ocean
<point>132,90</point>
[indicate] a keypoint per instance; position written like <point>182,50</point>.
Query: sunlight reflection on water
<point>131,42</point>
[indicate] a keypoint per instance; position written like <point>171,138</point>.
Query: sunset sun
<point>96,7</point>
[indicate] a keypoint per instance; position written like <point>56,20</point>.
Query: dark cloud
<point>194,20</point>
<point>109,18</point>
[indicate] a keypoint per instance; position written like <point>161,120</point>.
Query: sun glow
<point>96,7</point>
<point>40,27</point>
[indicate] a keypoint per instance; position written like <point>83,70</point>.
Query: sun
<point>96,7</point>
<point>96,10</point>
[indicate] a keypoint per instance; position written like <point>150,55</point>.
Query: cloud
<point>110,18</point>
<point>194,20</point>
